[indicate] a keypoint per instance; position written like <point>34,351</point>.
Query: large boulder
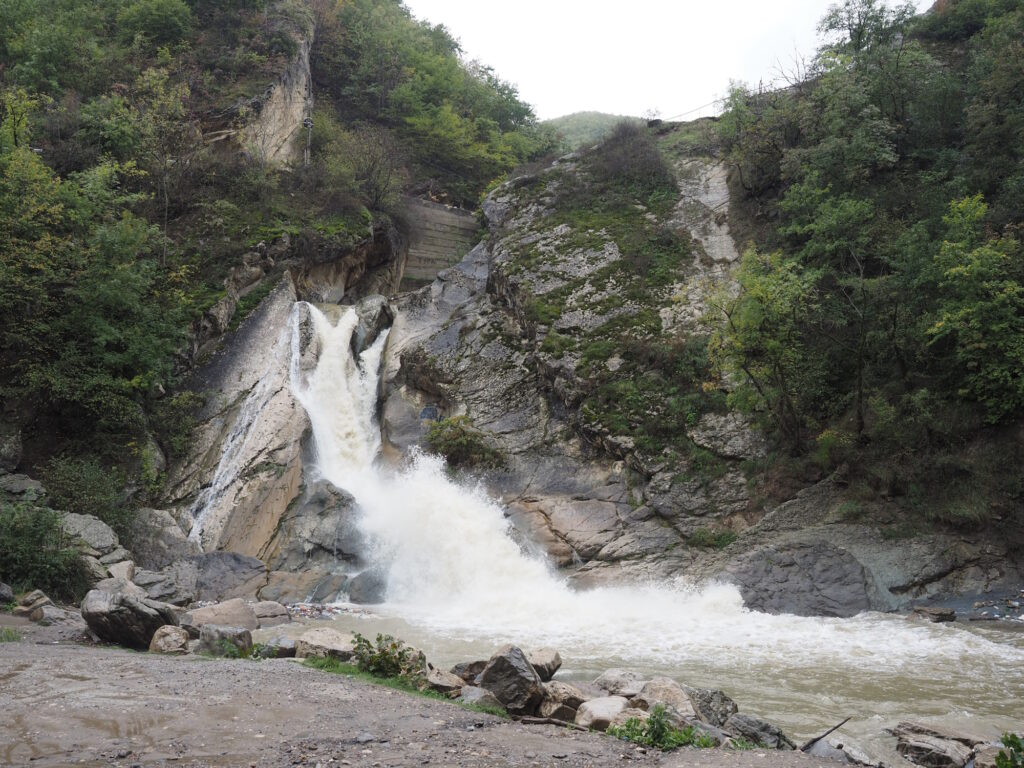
<point>324,642</point>
<point>513,681</point>
<point>6,594</point>
<point>91,532</point>
<point>319,532</point>
<point>230,613</point>
<point>806,579</point>
<point>758,731</point>
<point>51,615</point>
<point>620,682</point>
<point>225,641</point>
<point>278,648</point>
<point>125,619</point>
<point>546,661</point>
<point>712,706</point>
<point>30,603</point>
<point>598,714</point>
<point>668,693</point>
<point>170,640</point>
<point>369,587</point>
<point>444,682</point>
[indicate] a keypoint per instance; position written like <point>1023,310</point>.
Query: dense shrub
<point>630,157</point>
<point>37,553</point>
<point>658,732</point>
<point>462,444</point>
<point>83,486</point>
<point>388,657</point>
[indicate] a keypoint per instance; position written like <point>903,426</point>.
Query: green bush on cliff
<point>83,486</point>
<point>37,553</point>
<point>462,445</point>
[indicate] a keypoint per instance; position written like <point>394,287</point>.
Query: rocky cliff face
<point>516,338</point>
<point>583,367</point>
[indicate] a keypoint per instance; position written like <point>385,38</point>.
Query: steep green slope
<point>879,323</point>
<point>135,171</point>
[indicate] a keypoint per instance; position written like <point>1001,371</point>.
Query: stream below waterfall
<point>459,586</point>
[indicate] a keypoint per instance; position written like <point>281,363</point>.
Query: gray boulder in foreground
<point>513,681</point>
<point>126,619</point>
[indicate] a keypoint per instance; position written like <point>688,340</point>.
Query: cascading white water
<point>454,572</point>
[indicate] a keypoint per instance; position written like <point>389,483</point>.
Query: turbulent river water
<point>459,585</point>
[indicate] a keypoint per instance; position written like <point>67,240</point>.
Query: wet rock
<point>6,594</point>
<point>230,613</point>
<point>271,614</point>
<point>598,714</point>
<point>758,731</point>
<point>158,540</point>
<point>711,706</point>
<point>934,614</point>
<point>225,575</point>
<point>319,532</point>
<point>933,752</point>
<point>907,728</point>
<point>125,619</point>
<point>444,682</point>
<point>564,693</point>
<point>620,682</point>
<point>546,661</point>
<point>123,570</point>
<point>91,531</point>
<point>471,694</point>
<point>314,586</point>
<point>375,314</point>
<point>217,640</point>
<point>668,693</point>
<point>806,579</point>
<point>468,670</point>
<point>170,640</point>
<point>278,648</point>
<point>368,588</point>
<point>325,643</point>
<point>513,681</point>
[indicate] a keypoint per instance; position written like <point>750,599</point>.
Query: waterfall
<point>451,565</point>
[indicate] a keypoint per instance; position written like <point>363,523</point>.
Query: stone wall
<point>439,236</point>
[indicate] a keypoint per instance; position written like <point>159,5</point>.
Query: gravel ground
<point>63,703</point>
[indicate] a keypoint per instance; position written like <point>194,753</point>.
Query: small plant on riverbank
<point>9,635</point>
<point>1013,755</point>
<point>658,732</point>
<point>708,538</point>
<point>389,657</point>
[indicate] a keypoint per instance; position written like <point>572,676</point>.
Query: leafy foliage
<point>1013,755</point>
<point>882,300</point>
<point>37,552</point>
<point>658,732</point>
<point>83,486</point>
<point>462,444</point>
<point>388,657</point>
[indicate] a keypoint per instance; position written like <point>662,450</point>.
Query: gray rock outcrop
<point>230,613</point>
<point>546,661</point>
<point>125,619</point>
<point>170,640</point>
<point>324,642</point>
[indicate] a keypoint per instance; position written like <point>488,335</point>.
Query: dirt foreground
<point>66,704</point>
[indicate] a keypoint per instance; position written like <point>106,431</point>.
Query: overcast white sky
<point>628,57</point>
